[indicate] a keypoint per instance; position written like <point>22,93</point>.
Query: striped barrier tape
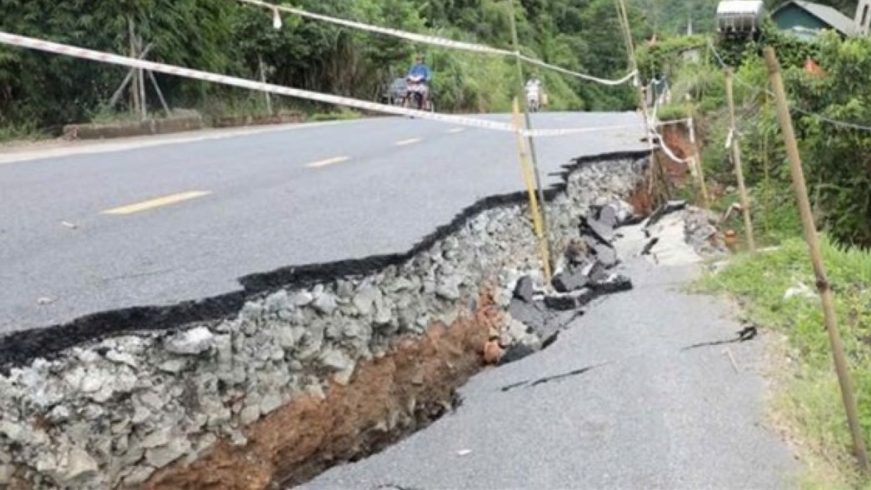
<point>426,39</point>
<point>88,54</point>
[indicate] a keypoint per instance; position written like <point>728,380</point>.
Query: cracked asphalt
<point>153,221</point>
<point>615,403</point>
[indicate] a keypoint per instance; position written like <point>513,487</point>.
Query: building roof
<point>740,7</point>
<point>828,15</point>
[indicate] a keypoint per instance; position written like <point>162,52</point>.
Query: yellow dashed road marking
<point>156,203</point>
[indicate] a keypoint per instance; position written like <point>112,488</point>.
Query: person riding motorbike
<point>421,73</point>
<point>533,94</point>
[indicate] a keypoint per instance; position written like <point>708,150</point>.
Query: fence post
<point>812,239</point>
<point>736,159</point>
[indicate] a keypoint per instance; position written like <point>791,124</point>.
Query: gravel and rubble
<point>114,411</point>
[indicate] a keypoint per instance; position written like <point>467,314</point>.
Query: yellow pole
<point>529,180</point>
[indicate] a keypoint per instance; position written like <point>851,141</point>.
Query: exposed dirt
<point>676,137</point>
<point>641,199</point>
<point>387,399</point>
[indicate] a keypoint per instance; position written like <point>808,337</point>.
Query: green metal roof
<point>824,13</point>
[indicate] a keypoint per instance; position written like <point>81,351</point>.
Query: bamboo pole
<point>696,165</point>
<point>810,231</point>
<point>134,85</point>
<point>534,208</point>
<point>120,90</point>
<point>656,165</point>
<point>159,93</point>
<point>266,94</point>
<point>531,141</point>
<point>736,159</point>
<point>143,101</point>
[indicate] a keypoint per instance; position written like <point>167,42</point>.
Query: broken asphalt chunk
<point>525,289</point>
<point>608,216</point>
<point>569,301</point>
<point>597,230</point>
<point>533,315</point>
<point>596,271</point>
<point>669,207</point>
<point>567,281</point>
<point>615,283</point>
<point>516,352</point>
<point>606,255</point>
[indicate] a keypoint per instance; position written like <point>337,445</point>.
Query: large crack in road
<point>628,397</point>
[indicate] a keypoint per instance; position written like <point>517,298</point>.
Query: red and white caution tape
<point>591,78</point>
<point>114,59</point>
<point>425,39</point>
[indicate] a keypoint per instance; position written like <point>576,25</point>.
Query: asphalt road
<point>648,415</point>
<point>149,222</point>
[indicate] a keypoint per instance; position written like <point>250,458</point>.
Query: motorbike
<point>418,92</point>
<point>533,102</point>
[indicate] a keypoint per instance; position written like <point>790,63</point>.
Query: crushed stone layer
<point>616,403</point>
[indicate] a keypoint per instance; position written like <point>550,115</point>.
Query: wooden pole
<point>134,85</point>
<point>159,92</point>
<point>736,158</point>
<point>530,140</point>
<point>655,165</point>
<point>120,90</point>
<point>696,163</point>
<point>141,74</point>
<point>263,81</point>
<point>813,243</point>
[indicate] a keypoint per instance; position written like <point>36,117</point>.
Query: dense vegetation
<point>224,36</point>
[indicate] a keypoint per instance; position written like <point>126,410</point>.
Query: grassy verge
<point>808,407</point>
<point>342,114</point>
<point>20,133</point>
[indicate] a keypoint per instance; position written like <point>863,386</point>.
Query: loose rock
<point>191,342</point>
<point>525,289</point>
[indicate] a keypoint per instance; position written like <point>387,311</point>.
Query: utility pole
<point>528,120</point>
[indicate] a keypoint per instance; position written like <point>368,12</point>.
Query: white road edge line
<point>328,161</point>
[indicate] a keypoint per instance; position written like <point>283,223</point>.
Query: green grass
<point>342,114</point>
<point>673,112</point>
<point>21,132</point>
<point>809,406</point>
